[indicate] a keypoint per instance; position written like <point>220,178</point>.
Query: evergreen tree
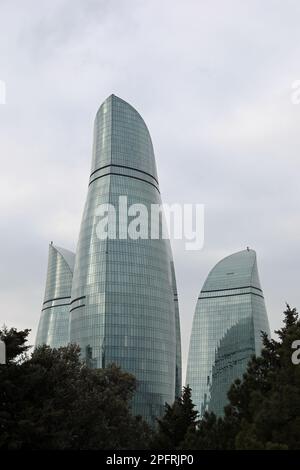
<point>179,418</point>
<point>212,433</point>
<point>14,340</point>
<point>267,401</point>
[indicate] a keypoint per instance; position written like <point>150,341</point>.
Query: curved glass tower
<point>53,328</point>
<point>229,317</point>
<point>124,301</point>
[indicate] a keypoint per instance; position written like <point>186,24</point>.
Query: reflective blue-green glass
<point>53,326</point>
<point>124,306</point>
<point>229,318</point>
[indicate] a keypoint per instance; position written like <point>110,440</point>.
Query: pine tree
<point>179,419</point>
<point>271,415</point>
<point>15,340</point>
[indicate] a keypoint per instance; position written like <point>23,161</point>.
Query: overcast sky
<point>212,80</point>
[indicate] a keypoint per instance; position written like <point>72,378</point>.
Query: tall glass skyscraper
<point>53,327</point>
<point>229,317</point>
<point>124,302</point>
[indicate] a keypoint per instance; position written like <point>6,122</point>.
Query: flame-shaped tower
<point>53,327</point>
<point>229,318</point>
<point>124,301</point>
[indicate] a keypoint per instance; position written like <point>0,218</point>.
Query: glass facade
<point>178,378</point>
<point>229,317</point>
<point>124,305</point>
<point>53,326</point>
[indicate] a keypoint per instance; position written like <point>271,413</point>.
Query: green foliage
<point>54,401</point>
<point>15,343</point>
<point>267,401</point>
<point>178,420</point>
<point>212,433</point>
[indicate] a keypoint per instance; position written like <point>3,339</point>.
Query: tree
<point>14,340</point>
<point>267,401</point>
<point>54,401</point>
<point>179,418</point>
<point>212,433</point>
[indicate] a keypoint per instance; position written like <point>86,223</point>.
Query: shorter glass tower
<point>53,328</point>
<point>229,318</point>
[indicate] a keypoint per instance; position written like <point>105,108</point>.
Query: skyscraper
<point>53,327</point>
<point>124,301</point>
<point>228,320</point>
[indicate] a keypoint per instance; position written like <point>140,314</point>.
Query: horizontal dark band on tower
<point>74,308</point>
<point>53,306</point>
<point>124,166</point>
<point>230,295</point>
<point>232,288</point>
<point>56,298</point>
<point>78,298</point>
<point>127,176</point>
